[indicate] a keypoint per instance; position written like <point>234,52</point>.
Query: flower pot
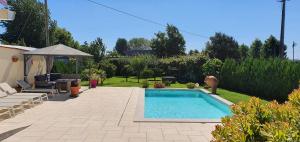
<point>93,83</point>
<point>74,91</point>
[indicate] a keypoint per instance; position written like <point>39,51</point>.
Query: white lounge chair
<point>13,94</point>
<point>13,108</point>
<point>28,88</point>
<point>5,111</point>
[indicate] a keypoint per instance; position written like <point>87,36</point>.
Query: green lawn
<point>234,97</point>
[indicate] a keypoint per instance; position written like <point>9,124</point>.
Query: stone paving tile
<point>99,115</point>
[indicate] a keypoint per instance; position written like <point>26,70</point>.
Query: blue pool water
<point>186,104</point>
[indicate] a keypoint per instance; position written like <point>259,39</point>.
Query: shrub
<point>147,73</point>
<point>108,67</point>
<point>188,68</point>
<point>212,67</point>
<point>159,85</point>
<point>255,121</point>
<point>167,83</point>
<point>67,67</point>
<point>145,84</point>
<point>265,78</point>
<point>190,85</point>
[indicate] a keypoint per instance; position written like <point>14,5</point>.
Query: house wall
<point>11,71</point>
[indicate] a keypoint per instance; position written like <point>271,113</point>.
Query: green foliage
<point>29,23</point>
<point>168,44</point>
<point>212,67</point>
<point>61,36</point>
<point>147,73</point>
<point>120,63</point>
<point>256,121</point>
<point>95,48</point>
<point>244,51</point>
<point>271,48</point>
<point>121,46</point>
<point>265,78</point>
<point>256,48</point>
<point>138,64</point>
<point>188,68</point>
<point>145,84</point>
<point>190,85</point>
<point>64,67</point>
<point>108,67</point>
<point>222,46</point>
<point>138,43</point>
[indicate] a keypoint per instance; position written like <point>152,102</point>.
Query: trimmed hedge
<point>265,78</point>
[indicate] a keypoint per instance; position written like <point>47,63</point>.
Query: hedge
<point>266,78</point>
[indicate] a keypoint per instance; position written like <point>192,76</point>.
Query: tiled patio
<point>99,115</point>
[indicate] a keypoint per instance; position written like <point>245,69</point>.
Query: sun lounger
<point>27,88</point>
<point>5,111</point>
<point>13,93</point>
<point>14,108</point>
<point>19,98</point>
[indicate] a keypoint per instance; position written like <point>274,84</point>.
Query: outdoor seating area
<point>12,103</point>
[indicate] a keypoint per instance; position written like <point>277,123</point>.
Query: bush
<point>188,68</point>
<point>147,73</point>
<point>212,67</point>
<point>159,85</point>
<point>167,83</point>
<point>67,67</point>
<point>145,84</point>
<point>255,121</point>
<point>265,78</point>
<point>108,67</point>
<point>190,85</point>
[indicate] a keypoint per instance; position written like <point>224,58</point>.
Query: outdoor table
<point>64,84</point>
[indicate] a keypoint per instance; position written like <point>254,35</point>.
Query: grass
<point>234,97</point>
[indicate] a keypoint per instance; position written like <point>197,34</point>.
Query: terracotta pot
<point>93,83</point>
<point>74,91</point>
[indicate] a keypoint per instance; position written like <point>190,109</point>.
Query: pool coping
<point>139,112</point>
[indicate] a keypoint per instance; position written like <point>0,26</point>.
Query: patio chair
<point>13,108</point>
<point>5,111</point>
<point>27,88</point>
<point>18,100</point>
<point>12,93</point>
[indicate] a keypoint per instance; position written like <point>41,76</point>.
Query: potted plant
<point>94,80</point>
<point>74,89</point>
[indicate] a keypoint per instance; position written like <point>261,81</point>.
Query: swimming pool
<point>170,104</point>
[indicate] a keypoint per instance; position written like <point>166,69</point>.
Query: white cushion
<point>5,87</point>
<point>2,94</point>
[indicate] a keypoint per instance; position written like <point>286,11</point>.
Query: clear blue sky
<point>245,20</point>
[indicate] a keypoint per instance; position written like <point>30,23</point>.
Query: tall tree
<point>271,48</point>
<point>61,36</point>
<point>29,23</point>
<point>95,48</point>
<point>222,46</point>
<point>244,51</point>
<point>138,64</point>
<point>256,48</point>
<point>138,43</point>
<point>176,42</point>
<point>168,44</point>
<point>159,43</point>
<point>121,46</point>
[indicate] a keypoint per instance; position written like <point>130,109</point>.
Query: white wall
<point>11,71</point>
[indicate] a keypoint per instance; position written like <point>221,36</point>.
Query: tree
<point>222,46</point>
<point>271,48</point>
<point>138,65</point>
<point>138,43</point>
<point>29,23</point>
<point>255,48</point>
<point>159,43</point>
<point>168,44</point>
<point>244,51</point>
<point>121,46</point>
<point>127,70</point>
<point>61,36</point>
<point>95,48</point>
<point>191,52</point>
